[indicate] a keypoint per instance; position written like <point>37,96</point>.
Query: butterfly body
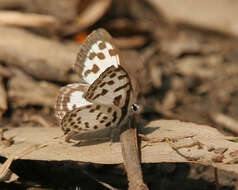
<point>105,97</point>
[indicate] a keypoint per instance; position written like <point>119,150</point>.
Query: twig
<point>101,182</point>
<point>171,141</point>
<point>5,72</point>
<point>5,167</point>
<point>130,153</point>
<point>6,141</point>
<point>39,119</point>
<point>176,148</point>
<point>46,65</point>
<point>225,121</point>
<point>196,143</point>
<point>27,19</point>
<point>164,139</point>
<point>216,179</point>
<point>131,42</point>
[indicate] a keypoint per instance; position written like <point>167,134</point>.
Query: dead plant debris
<point>183,66</point>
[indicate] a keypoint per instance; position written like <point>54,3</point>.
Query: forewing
<point>69,98</point>
<point>96,54</point>
<point>90,118</point>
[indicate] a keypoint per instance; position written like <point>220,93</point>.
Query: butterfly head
<point>135,108</point>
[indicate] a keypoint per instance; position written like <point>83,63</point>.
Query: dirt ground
<point>183,70</point>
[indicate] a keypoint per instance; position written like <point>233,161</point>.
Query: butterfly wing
<point>106,101</point>
<point>113,87</point>
<point>90,118</point>
<point>96,54</point>
<point>69,98</point>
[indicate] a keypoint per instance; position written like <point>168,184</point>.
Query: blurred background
<point>183,55</point>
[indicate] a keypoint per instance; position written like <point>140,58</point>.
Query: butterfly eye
<point>135,107</point>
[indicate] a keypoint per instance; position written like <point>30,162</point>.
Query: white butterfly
<point>105,98</point>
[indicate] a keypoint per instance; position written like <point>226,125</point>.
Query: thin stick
<point>5,167</point>
<point>226,121</point>
<point>130,153</point>
<point>216,179</point>
<point>27,19</point>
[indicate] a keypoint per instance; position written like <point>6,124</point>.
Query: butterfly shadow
<point>145,129</point>
<point>111,135</point>
<point>96,137</point>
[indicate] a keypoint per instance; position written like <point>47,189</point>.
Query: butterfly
<point>104,98</point>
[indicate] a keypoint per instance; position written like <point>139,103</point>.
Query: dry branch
<point>4,4</point>
<point>63,9</point>
<point>14,18</point>
<point>5,72</point>
<point>88,16</point>
<point>226,121</point>
<point>23,90</point>
<point>8,175</point>
<point>40,57</point>
<point>130,155</point>
<point>131,42</point>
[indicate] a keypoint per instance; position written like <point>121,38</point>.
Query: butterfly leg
<point>131,121</point>
<point>68,137</point>
<point>114,135</point>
